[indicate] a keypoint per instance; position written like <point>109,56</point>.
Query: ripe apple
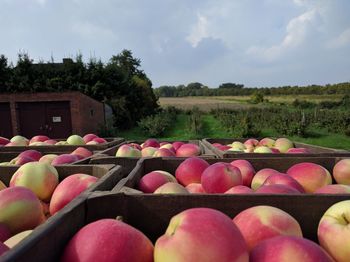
<point>83,152</point>
<point>247,170</point>
<point>151,142</point>
<point>128,151</point>
<point>239,190</point>
<point>39,177</point>
<point>19,141</point>
<point>262,222</point>
<point>238,146</point>
<point>333,231</point>
<point>299,150</point>
<point>262,149</point>
<point>283,144</point>
<point>108,240</point>
<point>27,213</point>
<point>5,232</point>
<point>48,158</point>
<point>188,150</point>
<point>341,172</point>
<point>283,179</point>
<point>75,140</point>
<point>64,159</point>
<point>151,181</point>
<point>190,170</point>
<point>288,248</point>
<point>267,142</point>
<point>148,151</point>
<point>89,137</point>
<point>201,234</point>
<point>220,177</point>
<point>276,189</point>
<point>261,176</point>
<point>39,138</point>
<point>334,189</point>
<point>171,188</point>
<point>164,152</point>
<point>195,188</point>
<point>311,176</point>
<point>177,145</point>
<point>68,189</point>
<point>4,141</point>
<point>34,154</point>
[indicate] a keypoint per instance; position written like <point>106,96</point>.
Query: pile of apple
<point>34,193</point>
<point>40,140</point>
<point>257,234</point>
<point>195,175</point>
<point>32,155</point>
<point>265,145</point>
<point>153,148</point>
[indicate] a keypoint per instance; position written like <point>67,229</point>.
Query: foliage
<point>120,82</point>
<point>195,121</point>
<point>155,125</point>
<point>257,97</point>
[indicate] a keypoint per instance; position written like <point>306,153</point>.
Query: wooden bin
<point>64,148</point>
<point>170,165</point>
<point>316,151</point>
<point>151,214</point>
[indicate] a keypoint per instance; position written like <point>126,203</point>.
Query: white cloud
<point>89,30</point>
<point>199,31</point>
<point>341,40</point>
<point>297,30</point>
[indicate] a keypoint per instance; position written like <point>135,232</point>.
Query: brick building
<point>56,115</point>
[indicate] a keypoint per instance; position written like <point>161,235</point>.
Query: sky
<point>257,43</point>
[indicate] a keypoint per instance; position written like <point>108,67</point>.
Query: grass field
<point>206,103</point>
<point>211,128</point>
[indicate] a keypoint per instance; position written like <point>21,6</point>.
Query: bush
<point>156,125</point>
<point>195,121</point>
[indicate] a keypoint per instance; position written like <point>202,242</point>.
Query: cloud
<point>199,31</point>
<point>296,33</point>
<point>342,40</point>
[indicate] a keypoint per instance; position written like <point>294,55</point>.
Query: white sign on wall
<point>56,119</point>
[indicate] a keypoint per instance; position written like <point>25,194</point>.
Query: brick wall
<point>80,106</point>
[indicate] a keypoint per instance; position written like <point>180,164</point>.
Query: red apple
<point>68,189</point>
<point>108,240</point>
<point>89,137</point>
<point>188,150</point>
<point>164,152</point>
<point>151,142</point>
<point>240,190</point>
<point>65,159</point>
<point>195,188</point>
<point>177,145</point>
<point>38,139</point>
<point>341,172</point>
<point>5,232</point>
<point>276,189</point>
<point>33,154</point>
<point>220,177</point>
<point>261,176</point>
<point>171,188</point>
<point>259,223</point>
<point>283,179</point>
<point>151,181</point>
<point>190,170</point>
<point>201,234</point>
<point>247,170</point>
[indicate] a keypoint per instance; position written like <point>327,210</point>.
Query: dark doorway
<point>5,120</point>
<point>45,118</point>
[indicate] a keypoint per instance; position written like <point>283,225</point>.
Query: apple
<point>311,176</point>
<point>288,248</point>
<point>21,160</point>
<point>224,148</point>
<point>201,234</point>
<point>262,149</point>
<point>239,190</point>
<point>151,142</point>
<point>34,154</point>
<point>89,137</point>
<point>164,152</point>
<point>39,177</point>
<point>50,142</point>
<point>19,141</point>
<point>108,240</point>
<point>283,144</point>
<point>188,150</point>
<point>276,189</point>
<point>75,140</point>
<point>4,141</point>
<point>275,150</point>
<point>261,176</point>
<point>20,209</point>
<point>247,170</point>
<point>83,152</point>
<point>333,231</point>
<point>92,143</point>
<point>334,189</point>
<point>171,188</point>
<point>267,142</point>
<point>177,145</point>
<point>148,151</point>
<point>238,146</point>
<point>195,188</point>
<point>252,142</point>
<point>39,138</point>
<point>151,181</point>
<point>262,222</point>
<point>14,240</point>
<point>64,159</point>
<point>47,158</point>
<point>341,172</point>
<point>68,189</point>
<point>5,232</point>
<point>128,151</point>
<point>283,179</point>
<point>299,150</point>
<point>220,177</point>
<point>61,143</point>
<point>190,170</point>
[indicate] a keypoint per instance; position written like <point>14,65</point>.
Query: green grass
<point>212,128</point>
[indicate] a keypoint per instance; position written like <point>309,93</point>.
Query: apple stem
<point>119,218</point>
<point>345,218</point>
